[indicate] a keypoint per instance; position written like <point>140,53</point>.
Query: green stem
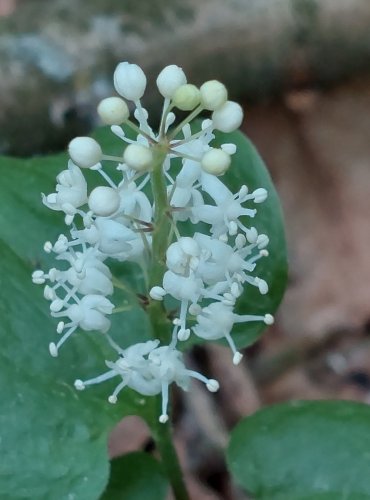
<point>163,437</point>
<point>161,230</point>
<point>161,326</point>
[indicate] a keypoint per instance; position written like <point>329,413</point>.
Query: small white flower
<point>71,190</point>
<point>149,370</point>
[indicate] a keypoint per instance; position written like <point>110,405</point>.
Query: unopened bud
<point>138,157</point>
<point>228,117</point>
<point>216,162</point>
<point>213,95</point>
<point>170,79</point>
<point>85,152</point>
<point>113,111</point>
<point>129,81</point>
<point>186,97</point>
<point>104,201</point>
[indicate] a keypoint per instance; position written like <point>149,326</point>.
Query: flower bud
<point>213,95</point>
<point>104,201</point>
<point>228,117</point>
<point>113,111</point>
<point>138,157</point>
<point>129,81</point>
<point>216,162</point>
<point>85,152</point>
<point>186,97</point>
<point>170,79</point>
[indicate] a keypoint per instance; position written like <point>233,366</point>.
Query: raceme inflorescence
<point>171,214</point>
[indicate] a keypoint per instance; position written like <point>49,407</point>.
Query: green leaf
<point>136,476</point>
<point>53,438</point>
<point>303,451</point>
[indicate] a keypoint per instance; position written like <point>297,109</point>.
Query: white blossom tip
<point>60,327</point>
<point>79,385</point>
<point>38,277</point>
<point>49,293</point>
<point>170,79</point>
<point>212,385</point>
<point>85,151</point>
<point>56,305</point>
<point>112,399</point>
<point>53,350</point>
<point>269,319</point>
<point>183,334</point>
<point>228,117</point>
<point>260,195</point>
<point>138,157</point>
<point>240,241</point>
<point>238,356</point>
<point>129,81</point>
<point>48,247</point>
<point>157,293</point>
<point>229,148</point>
<point>163,419</point>
<point>262,286</point>
<point>262,241</point>
<point>195,309</point>
<point>113,111</point>
<point>104,201</point>
<point>264,253</point>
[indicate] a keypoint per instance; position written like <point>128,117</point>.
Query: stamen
<point>164,417</point>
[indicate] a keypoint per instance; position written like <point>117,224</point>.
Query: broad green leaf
<point>136,476</point>
<point>304,451</point>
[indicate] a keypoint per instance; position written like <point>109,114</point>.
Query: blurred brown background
<point>302,70</point>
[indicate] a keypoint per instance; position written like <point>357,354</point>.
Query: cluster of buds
<point>205,273</point>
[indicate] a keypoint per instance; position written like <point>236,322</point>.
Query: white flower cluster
<point>205,273</point>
